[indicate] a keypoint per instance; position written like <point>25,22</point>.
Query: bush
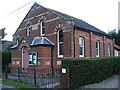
<point>6,59</point>
<point>85,71</point>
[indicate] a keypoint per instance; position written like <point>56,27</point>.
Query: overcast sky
<point>102,14</point>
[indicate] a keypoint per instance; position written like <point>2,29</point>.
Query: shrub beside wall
<point>85,71</point>
<point>6,59</point>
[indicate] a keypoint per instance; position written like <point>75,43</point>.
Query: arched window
<point>60,43</point>
<point>42,25</point>
<point>81,47</point>
<point>97,48</point>
<point>28,30</point>
<point>108,49</point>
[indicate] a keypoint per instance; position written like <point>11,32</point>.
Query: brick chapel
<point>45,36</point>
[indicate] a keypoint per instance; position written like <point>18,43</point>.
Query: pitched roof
<point>29,39</point>
<point>78,23</point>
<point>41,41</point>
<point>33,41</point>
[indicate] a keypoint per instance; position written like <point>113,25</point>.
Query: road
<point>112,82</point>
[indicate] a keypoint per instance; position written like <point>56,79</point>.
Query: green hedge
<point>6,59</point>
<point>85,71</point>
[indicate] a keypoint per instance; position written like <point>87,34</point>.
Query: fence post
<point>34,77</point>
<point>65,78</point>
<point>6,72</point>
<point>52,72</point>
<point>18,72</point>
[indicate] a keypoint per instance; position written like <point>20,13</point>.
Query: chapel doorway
<point>24,58</point>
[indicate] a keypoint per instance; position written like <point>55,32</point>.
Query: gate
<point>44,78</point>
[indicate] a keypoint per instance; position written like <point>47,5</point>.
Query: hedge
<point>6,59</point>
<point>85,71</point>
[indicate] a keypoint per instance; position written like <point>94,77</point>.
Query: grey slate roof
<point>15,46</point>
<point>78,23</point>
<point>36,41</point>
<point>29,39</point>
<point>41,41</point>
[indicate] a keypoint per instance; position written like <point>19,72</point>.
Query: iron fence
<point>44,78</point>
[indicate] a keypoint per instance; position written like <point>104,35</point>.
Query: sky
<point>102,14</point>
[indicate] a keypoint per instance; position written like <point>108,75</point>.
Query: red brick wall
<point>51,34</point>
<point>92,48</point>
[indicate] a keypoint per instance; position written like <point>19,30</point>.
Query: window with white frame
<point>60,43</point>
<point>42,24</point>
<point>108,49</point>
<point>32,60</point>
<point>97,48</point>
<point>81,46</point>
<point>28,30</point>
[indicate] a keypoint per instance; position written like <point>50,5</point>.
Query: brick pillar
<point>113,41</point>
<point>104,46</point>
<point>91,44</point>
<point>65,79</point>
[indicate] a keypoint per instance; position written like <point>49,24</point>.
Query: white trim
<point>58,44</point>
<point>32,59</point>
<point>17,62</point>
<point>116,52</point>
<point>82,47</point>
<point>58,62</point>
<point>22,57</point>
<point>109,49</point>
<point>36,16</point>
<point>47,62</point>
<point>50,20</point>
<point>98,49</point>
<point>41,28</point>
<point>28,30</point>
<point>17,41</point>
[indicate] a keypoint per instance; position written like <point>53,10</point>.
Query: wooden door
<point>25,58</point>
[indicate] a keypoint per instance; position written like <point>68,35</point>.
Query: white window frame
<point>41,27</point>
<point>98,49</point>
<point>108,49</point>
<point>58,44</point>
<point>80,38</point>
<point>32,58</point>
<point>116,52</point>
<point>28,30</point>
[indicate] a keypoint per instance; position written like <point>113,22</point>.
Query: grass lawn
<point>17,84</point>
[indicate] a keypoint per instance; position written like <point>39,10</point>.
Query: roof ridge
<point>78,22</point>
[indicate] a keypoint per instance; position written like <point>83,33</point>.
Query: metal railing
<point>44,78</point>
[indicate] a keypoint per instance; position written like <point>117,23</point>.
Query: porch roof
<point>36,41</point>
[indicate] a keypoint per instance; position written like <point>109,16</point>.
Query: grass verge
<point>17,84</point>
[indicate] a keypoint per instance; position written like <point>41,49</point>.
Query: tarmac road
<point>112,82</point>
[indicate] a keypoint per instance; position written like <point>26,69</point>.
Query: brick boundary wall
<point>65,79</point>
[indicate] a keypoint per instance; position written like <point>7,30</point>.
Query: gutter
<point>52,60</point>
<point>74,39</point>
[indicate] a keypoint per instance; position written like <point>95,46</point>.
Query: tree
<point>116,36</point>
<point>2,33</point>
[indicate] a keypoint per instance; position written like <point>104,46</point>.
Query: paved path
<point>4,87</point>
<point>113,82</point>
